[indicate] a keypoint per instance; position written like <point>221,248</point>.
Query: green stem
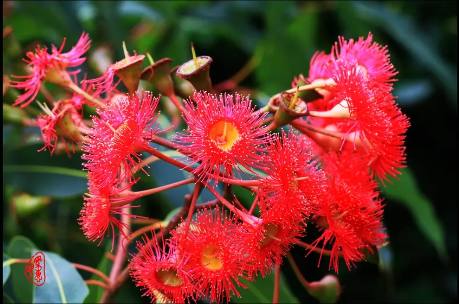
<point>276,282</point>
<point>79,91</point>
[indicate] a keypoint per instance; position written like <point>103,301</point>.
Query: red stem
<point>120,251</point>
<point>93,270</point>
<point>95,282</point>
<point>272,126</point>
<point>230,206</point>
<point>163,188</point>
<point>315,249</point>
<point>177,103</point>
<point>163,142</point>
<point>297,271</point>
<point>243,183</point>
<point>305,128</point>
<point>142,230</point>
<point>254,204</point>
<point>192,206</point>
<point>276,281</point>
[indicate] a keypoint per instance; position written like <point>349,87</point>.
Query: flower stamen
<point>195,59</point>
<point>293,102</point>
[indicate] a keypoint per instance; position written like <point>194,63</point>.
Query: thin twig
<point>95,282</point>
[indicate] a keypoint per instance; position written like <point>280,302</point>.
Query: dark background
<point>418,266</point>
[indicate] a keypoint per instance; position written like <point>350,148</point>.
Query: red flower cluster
<point>50,67</point>
<point>122,130</point>
<point>334,187</point>
<point>315,176</point>
<point>360,106</point>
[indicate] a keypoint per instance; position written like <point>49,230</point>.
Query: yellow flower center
<point>169,277</point>
<point>271,232</point>
<point>209,257</point>
<point>224,134</point>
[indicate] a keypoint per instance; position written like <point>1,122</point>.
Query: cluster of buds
<point>349,131</point>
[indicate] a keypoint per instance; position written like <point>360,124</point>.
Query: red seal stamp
<point>37,263</point>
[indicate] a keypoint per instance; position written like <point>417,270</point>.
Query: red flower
<point>222,133</point>
<point>320,66</point>
<point>123,129</point>
<point>158,269</point>
<point>61,122</point>
<point>371,58</point>
<point>267,240</point>
<point>368,117</point>
<point>49,67</point>
<point>73,57</point>
<point>214,263</point>
<point>100,208</point>
<point>294,178</point>
<point>351,209</point>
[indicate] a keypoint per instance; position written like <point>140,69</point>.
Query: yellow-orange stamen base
<point>271,234</point>
<point>169,277</point>
<point>224,134</point>
<point>209,257</point>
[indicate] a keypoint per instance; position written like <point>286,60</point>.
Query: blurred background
<point>271,42</point>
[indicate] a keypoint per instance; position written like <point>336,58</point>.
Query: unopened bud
<point>326,290</point>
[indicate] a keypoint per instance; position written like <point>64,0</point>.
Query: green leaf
<point>406,192</point>
<point>44,169</point>
<point>246,198</point>
<point>275,73</point>
<point>260,291</point>
<point>42,174</point>
<point>63,282</point>
<point>7,298</point>
<point>105,264</point>
<point>21,247</point>
<point>6,268</point>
